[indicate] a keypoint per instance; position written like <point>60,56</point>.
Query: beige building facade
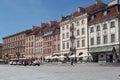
<point>77,23</point>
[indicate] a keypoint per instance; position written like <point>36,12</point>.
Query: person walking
<point>72,62</point>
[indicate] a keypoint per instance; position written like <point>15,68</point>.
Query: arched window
<point>104,26</point>
<point>98,28</point>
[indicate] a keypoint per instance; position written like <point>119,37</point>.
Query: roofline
<point>17,34</point>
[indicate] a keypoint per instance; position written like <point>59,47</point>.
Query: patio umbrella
<point>83,55</point>
<point>49,57</point>
<point>55,57</point>
<point>72,56</point>
<point>62,56</point>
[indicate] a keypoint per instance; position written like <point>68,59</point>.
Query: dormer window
<point>105,13</point>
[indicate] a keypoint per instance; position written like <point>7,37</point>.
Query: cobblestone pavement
<point>55,71</point>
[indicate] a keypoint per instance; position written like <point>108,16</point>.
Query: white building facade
<point>73,34</point>
<point>104,34</point>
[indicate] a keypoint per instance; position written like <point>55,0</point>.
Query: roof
<point>90,9</point>
<point>75,14</point>
<point>22,32</point>
<point>94,7</point>
<point>112,12</point>
<point>34,31</point>
<point>51,26</point>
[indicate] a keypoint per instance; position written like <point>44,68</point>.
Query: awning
<point>102,49</point>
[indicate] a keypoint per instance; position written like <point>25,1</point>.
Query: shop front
<point>104,54</point>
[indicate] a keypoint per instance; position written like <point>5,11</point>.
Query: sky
<point>20,15</point>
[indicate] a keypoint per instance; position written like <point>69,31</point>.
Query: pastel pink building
<point>56,41</point>
<point>30,43</point>
<point>48,38</point>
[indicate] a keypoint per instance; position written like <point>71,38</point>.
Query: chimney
<point>98,2</point>
<point>43,25</point>
<point>53,23</point>
<point>81,10</point>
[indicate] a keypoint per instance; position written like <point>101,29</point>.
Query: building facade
<point>30,42</point>
<point>1,54</point>
<point>73,30</point>
<point>48,36</point>
<point>39,44</point>
<point>56,41</point>
<point>104,32</point>
<point>14,45</point>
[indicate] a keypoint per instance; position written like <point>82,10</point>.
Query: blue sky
<point>19,15</point>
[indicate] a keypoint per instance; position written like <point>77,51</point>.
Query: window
<point>83,43</point>
<point>104,26</point>
<point>78,32</point>
<point>77,23</point>
<point>105,13</point>
<point>67,45</point>
<point>67,26</point>
<point>55,47</point>
<point>83,31</point>
<point>58,37</point>
<point>112,24</point>
<point>78,43</point>
<point>58,46</point>
<point>92,17</point>
<point>63,35</point>
<point>98,40</point>
<point>55,38</point>
<point>72,24</point>
<point>112,37</point>
<point>98,28</point>
<point>83,22</point>
<point>91,29</point>
<point>63,46</point>
<point>63,28</point>
<point>105,39</point>
<point>92,41</point>
<point>67,35</point>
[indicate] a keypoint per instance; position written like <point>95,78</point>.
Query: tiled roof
<point>26,31</point>
<point>51,26</point>
<point>94,8</point>
<point>34,31</point>
<point>90,9</point>
<point>112,11</point>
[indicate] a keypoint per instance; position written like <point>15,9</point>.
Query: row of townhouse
<point>38,42</point>
<point>91,30</point>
